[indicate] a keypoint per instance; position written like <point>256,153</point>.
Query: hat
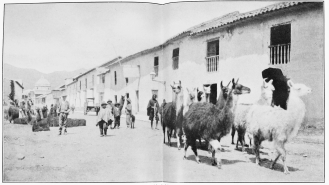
<point>108,101</point>
<point>103,103</point>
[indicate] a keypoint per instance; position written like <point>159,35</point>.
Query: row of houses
<point>287,35</point>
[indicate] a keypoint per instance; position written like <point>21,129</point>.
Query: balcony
<point>212,63</point>
<point>280,54</point>
<point>175,61</point>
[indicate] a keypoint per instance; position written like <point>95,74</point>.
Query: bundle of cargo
<point>39,124</point>
<point>54,122</point>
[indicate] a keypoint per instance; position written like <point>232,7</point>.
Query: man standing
<point>64,109</point>
<point>117,114</point>
<point>128,112</point>
<point>152,110</point>
<point>102,119</point>
<point>109,108</point>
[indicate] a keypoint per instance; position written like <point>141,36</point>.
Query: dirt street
<point>139,155</point>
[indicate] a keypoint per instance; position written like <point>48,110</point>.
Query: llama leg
<point>178,138</point>
<point>200,142</point>
<point>282,151</point>
<point>233,133</point>
<point>187,144</point>
<point>243,143</point>
<point>273,163</point>
<point>217,160</point>
<point>169,135</point>
<point>164,134</point>
<point>256,149</point>
<point>193,144</point>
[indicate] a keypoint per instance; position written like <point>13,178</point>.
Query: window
<point>86,82</point>
<point>103,78</point>
<point>127,95</point>
<point>175,58</point>
<point>116,98</point>
<point>280,44</point>
<point>115,77</point>
<point>156,65</point>
<point>127,81</point>
<point>212,56</point>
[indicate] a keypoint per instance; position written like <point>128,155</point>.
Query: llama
<point>24,121</point>
<point>276,124</point>
<point>169,113</point>
<point>13,113</point>
<point>241,111</point>
<point>209,121</point>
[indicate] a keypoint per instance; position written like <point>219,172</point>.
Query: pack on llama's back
<point>276,124</point>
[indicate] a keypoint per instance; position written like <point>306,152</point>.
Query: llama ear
<point>197,89</point>
<point>228,83</point>
<point>180,83</point>
<point>172,86</point>
<point>290,83</point>
<point>237,81</point>
<point>233,81</point>
<point>221,85</point>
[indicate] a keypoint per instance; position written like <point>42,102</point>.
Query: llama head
<point>122,98</point>
<point>177,87</point>
<point>267,90</point>
<point>224,89</point>
<point>191,94</point>
<point>200,95</point>
<point>298,89</point>
<point>239,88</point>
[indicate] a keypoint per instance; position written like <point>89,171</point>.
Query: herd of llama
<point>276,116</point>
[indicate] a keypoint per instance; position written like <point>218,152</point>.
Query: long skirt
<point>128,119</point>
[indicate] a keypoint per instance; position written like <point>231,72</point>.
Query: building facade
<point>288,35</point>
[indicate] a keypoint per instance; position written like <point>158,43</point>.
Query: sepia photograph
<point>170,92</point>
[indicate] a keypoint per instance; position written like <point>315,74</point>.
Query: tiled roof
<point>236,16</point>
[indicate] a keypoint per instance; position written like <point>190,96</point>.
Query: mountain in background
<point>31,76</point>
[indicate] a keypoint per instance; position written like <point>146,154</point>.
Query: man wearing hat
<point>117,114</point>
<point>152,110</point>
<point>128,112</point>
<point>64,109</point>
<point>102,119</point>
<point>109,108</point>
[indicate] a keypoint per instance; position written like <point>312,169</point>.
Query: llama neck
<point>179,100</point>
<point>221,100</point>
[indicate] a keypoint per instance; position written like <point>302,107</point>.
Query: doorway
<point>213,93</point>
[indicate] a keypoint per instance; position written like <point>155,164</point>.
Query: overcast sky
<point>61,36</point>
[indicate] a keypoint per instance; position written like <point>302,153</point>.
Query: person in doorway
<point>128,112</point>
<point>152,110</point>
<point>102,119</point>
<point>64,109</point>
<point>117,114</point>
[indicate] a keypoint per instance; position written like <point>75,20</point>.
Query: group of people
<point>110,113</point>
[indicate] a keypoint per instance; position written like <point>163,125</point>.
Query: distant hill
<point>31,76</point>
